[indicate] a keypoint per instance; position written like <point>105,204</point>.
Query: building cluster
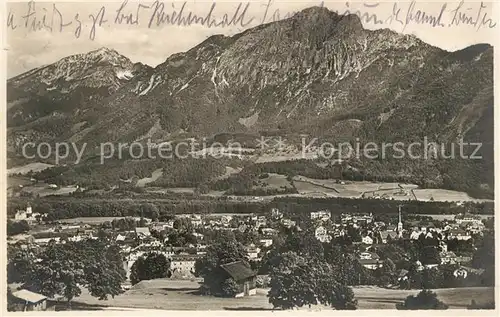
<point>368,231</point>
<point>372,233</point>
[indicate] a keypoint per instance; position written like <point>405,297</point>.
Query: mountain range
<point>317,74</point>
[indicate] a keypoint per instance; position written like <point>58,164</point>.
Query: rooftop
<point>29,296</point>
<point>238,270</point>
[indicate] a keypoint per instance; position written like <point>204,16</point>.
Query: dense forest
<point>57,208</point>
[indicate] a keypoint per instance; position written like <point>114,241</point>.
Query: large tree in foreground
<point>62,269</point>
<point>225,249</point>
<point>297,281</point>
<point>149,267</point>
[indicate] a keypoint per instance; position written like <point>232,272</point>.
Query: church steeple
<point>400,223</point>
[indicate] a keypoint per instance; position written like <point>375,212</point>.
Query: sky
<point>91,25</point>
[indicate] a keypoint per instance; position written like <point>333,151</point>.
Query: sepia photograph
<point>259,156</point>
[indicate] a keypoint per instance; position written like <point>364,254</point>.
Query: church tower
<point>400,223</point>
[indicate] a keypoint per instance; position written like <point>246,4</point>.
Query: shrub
<point>426,299</point>
<point>262,281</point>
<point>474,305</point>
<point>229,288</point>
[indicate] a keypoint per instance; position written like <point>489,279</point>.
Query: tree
<point>432,278</point>
<point>19,263</point>
<point>426,299</point>
<point>17,227</point>
<point>149,267</point>
<point>224,249</point>
<point>430,255</point>
<point>150,211</point>
<point>484,258</point>
<point>183,225</point>
<point>62,269</point>
<point>229,287</point>
<point>386,274</point>
<point>298,281</point>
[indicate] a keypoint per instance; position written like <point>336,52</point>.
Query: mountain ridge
<point>316,73</point>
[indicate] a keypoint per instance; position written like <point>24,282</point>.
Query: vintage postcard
<point>261,156</point>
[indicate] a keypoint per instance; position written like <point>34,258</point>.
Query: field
<point>18,181</point>
<point>90,220</point>
<point>442,195</point>
<point>182,295</point>
<point>274,182</point>
<point>32,167</point>
<point>42,189</point>
<point>396,191</point>
<point>155,175</point>
<point>452,217</point>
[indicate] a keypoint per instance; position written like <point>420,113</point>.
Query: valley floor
<point>165,294</point>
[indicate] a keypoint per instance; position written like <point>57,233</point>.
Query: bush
<point>262,281</point>
<point>474,305</point>
<point>17,227</point>
<point>229,288</point>
<point>426,299</point>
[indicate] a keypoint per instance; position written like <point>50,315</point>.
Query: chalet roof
<point>448,254</point>
<point>29,296</point>
<point>370,261</point>
<point>238,270</point>
<point>457,231</point>
<point>471,270</point>
<point>384,234</point>
<point>143,230</point>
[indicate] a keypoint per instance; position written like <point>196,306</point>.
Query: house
<point>182,265</point>
<point>386,235</point>
<point>276,213</point>
<point>464,271</point>
<point>459,234</point>
<point>268,231</point>
<point>266,242</point>
<point>142,232</point>
<point>288,223</point>
<point>20,215</point>
<point>243,275</point>
<point>370,260</point>
<point>119,237</point>
<point>367,240</point>
<point>391,227</point>
<point>27,215</point>
<point>415,235</point>
<point>468,219</point>
<point>225,220</point>
<point>46,240</point>
<point>323,215</point>
<point>31,301</point>
<point>448,257</point>
<point>253,252</point>
<point>322,234</point>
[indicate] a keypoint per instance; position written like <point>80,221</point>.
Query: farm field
<point>273,181</point>
<point>394,191</point>
<point>42,190</point>
<point>451,217</point>
<point>31,167</point>
<point>17,181</point>
<point>182,295</point>
<point>154,176</point>
<point>91,220</point>
<point>443,195</point>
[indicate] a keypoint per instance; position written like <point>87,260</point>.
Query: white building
<point>322,235</point>
<point>323,215</point>
<point>367,240</point>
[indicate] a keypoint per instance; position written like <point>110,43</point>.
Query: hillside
<point>316,73</point>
